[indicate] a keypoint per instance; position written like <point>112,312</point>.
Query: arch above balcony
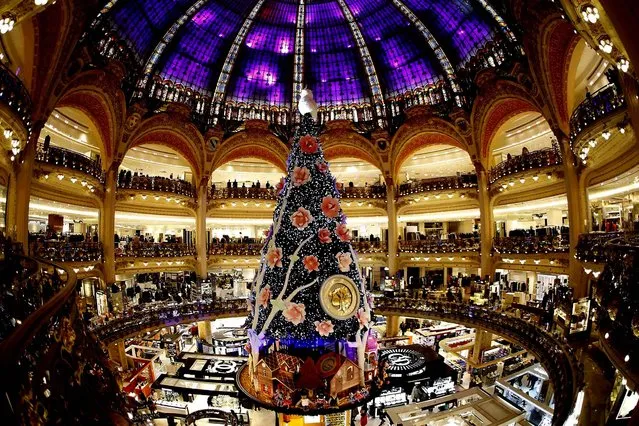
<point>183,138</point>
<point>256,141</point>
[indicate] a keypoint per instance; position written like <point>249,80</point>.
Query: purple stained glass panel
<point>401,54</point>
<point>333,67</point>
<point>200,47</point>
<point>459,26</point>
<point>144,22</point>
<point>263,73</point>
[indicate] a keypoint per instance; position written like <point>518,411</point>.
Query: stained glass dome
<point>263,52</point>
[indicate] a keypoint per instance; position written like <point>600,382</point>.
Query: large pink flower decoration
<point>324,235</point>
<point>294,313</point>
<point>343,233</point>
<point>322,166</point>
<point>330,206</point>
<point>344,261</point>
<point>301,175</point>
<point>301,218</point>
<point>363,317</point>
<point>274,257</point>
<point>264,297</point>
<point>324,328</point>
<point>311,263</point>
<point>308,144</point>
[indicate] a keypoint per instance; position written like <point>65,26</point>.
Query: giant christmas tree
<point>309,310</point>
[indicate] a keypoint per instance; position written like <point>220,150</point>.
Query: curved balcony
<point>536,160</point>
<point>461,181</point>
<point>591,246</point>
<point>235,249</point>
<point>53,370</point>
<point>62,251</point>
<point>155,184</point>
<point>60,157</point>
<point>154,250</point>
<point>531,244</point>
<point>434,245</point>
<point>243,193</point>
<point>224,417</point>
<point>617,306</point>
<point>15,95</point>
<point>369,247</point>
<point>165,315</point>
<point>601,104</point>
<point>363,192</point>
<point>557,359</point>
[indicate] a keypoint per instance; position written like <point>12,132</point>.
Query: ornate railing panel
<point>546,157</point>
<point>434,245</point>
<point>462,181</point>
<point>156,184</point>
<point>235,249</point>
<point>531,244</point>
<point>62,251</point>
<point>600,104</point>
<point>591,246</point>
<point>14,94</point>
<point>155,250</point>
<point>71,160</point>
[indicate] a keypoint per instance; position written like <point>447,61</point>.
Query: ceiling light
<point>60,176</point>
<point>626,358</point>
<point>607,335</point>
<point>450,195</point>
<point>623,64</point>
<point>511,183</point>
<point>6,23</point>
<point>522,180</point>
<point>605,44</point>
<point>157,197</point>
<point>41,2</point>
<point>606,134</point>
<point>15,151</point>
<point>549,175</point>
<point>73,179</point>
<point>8,133</point>
<point>592,143</point>
<point>536,178</point>
<point>590,13</point>
<point>83,182</point>
<point>15,143</point>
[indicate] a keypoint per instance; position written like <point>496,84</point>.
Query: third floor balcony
<point>535,163</point>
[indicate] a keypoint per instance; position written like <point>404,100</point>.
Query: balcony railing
<point>600,104</point>
<point>369,247</point>
<point>591,246</point>
<point>539,159</point>
<point>53,369</point>
<point>71,160</point>
<point>461,181</point>
<point>366,192</point>
<point>235,249</point>
<point>243,193</point>
<point>155,184</point>
<point>531,244</point>
<point>617,305</point>
<point>434,245</point>
<point>62,251</point>
<point>14,94</point>
<point>155,250</point>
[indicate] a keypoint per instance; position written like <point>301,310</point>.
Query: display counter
<point>531,391</point>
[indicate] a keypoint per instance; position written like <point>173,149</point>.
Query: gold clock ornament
<point>339,297</point>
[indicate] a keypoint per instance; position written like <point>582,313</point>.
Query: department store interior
<point>319,212</point>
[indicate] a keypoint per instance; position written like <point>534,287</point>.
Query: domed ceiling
<point>263,52</point>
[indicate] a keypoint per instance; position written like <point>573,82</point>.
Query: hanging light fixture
<point>606,134</point>
<point>623,64</point>
<point>590,13</point>
<point>605,44</point>
<point>592,143</point>
<point>8,133</point>
<point>7,22</point>
<point>41,2</point>
<point>73,179</point>
<point>60,176</point>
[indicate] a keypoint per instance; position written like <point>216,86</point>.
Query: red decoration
<point>308,144</point>
<point>309,377</point>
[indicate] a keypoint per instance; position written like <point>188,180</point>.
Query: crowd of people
<point>137,247</point>
<point>128,180</point>
<point>68,159</point>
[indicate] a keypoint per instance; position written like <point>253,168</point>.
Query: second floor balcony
<point>526,162</point>
<point>155,184</point>
<point>531,244</point>
<point>446,183</point>
<point>436,245</point>
<point>63,251</point>
<point>73,161</point>
<point>603,103</point>
<point>154,250</point>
